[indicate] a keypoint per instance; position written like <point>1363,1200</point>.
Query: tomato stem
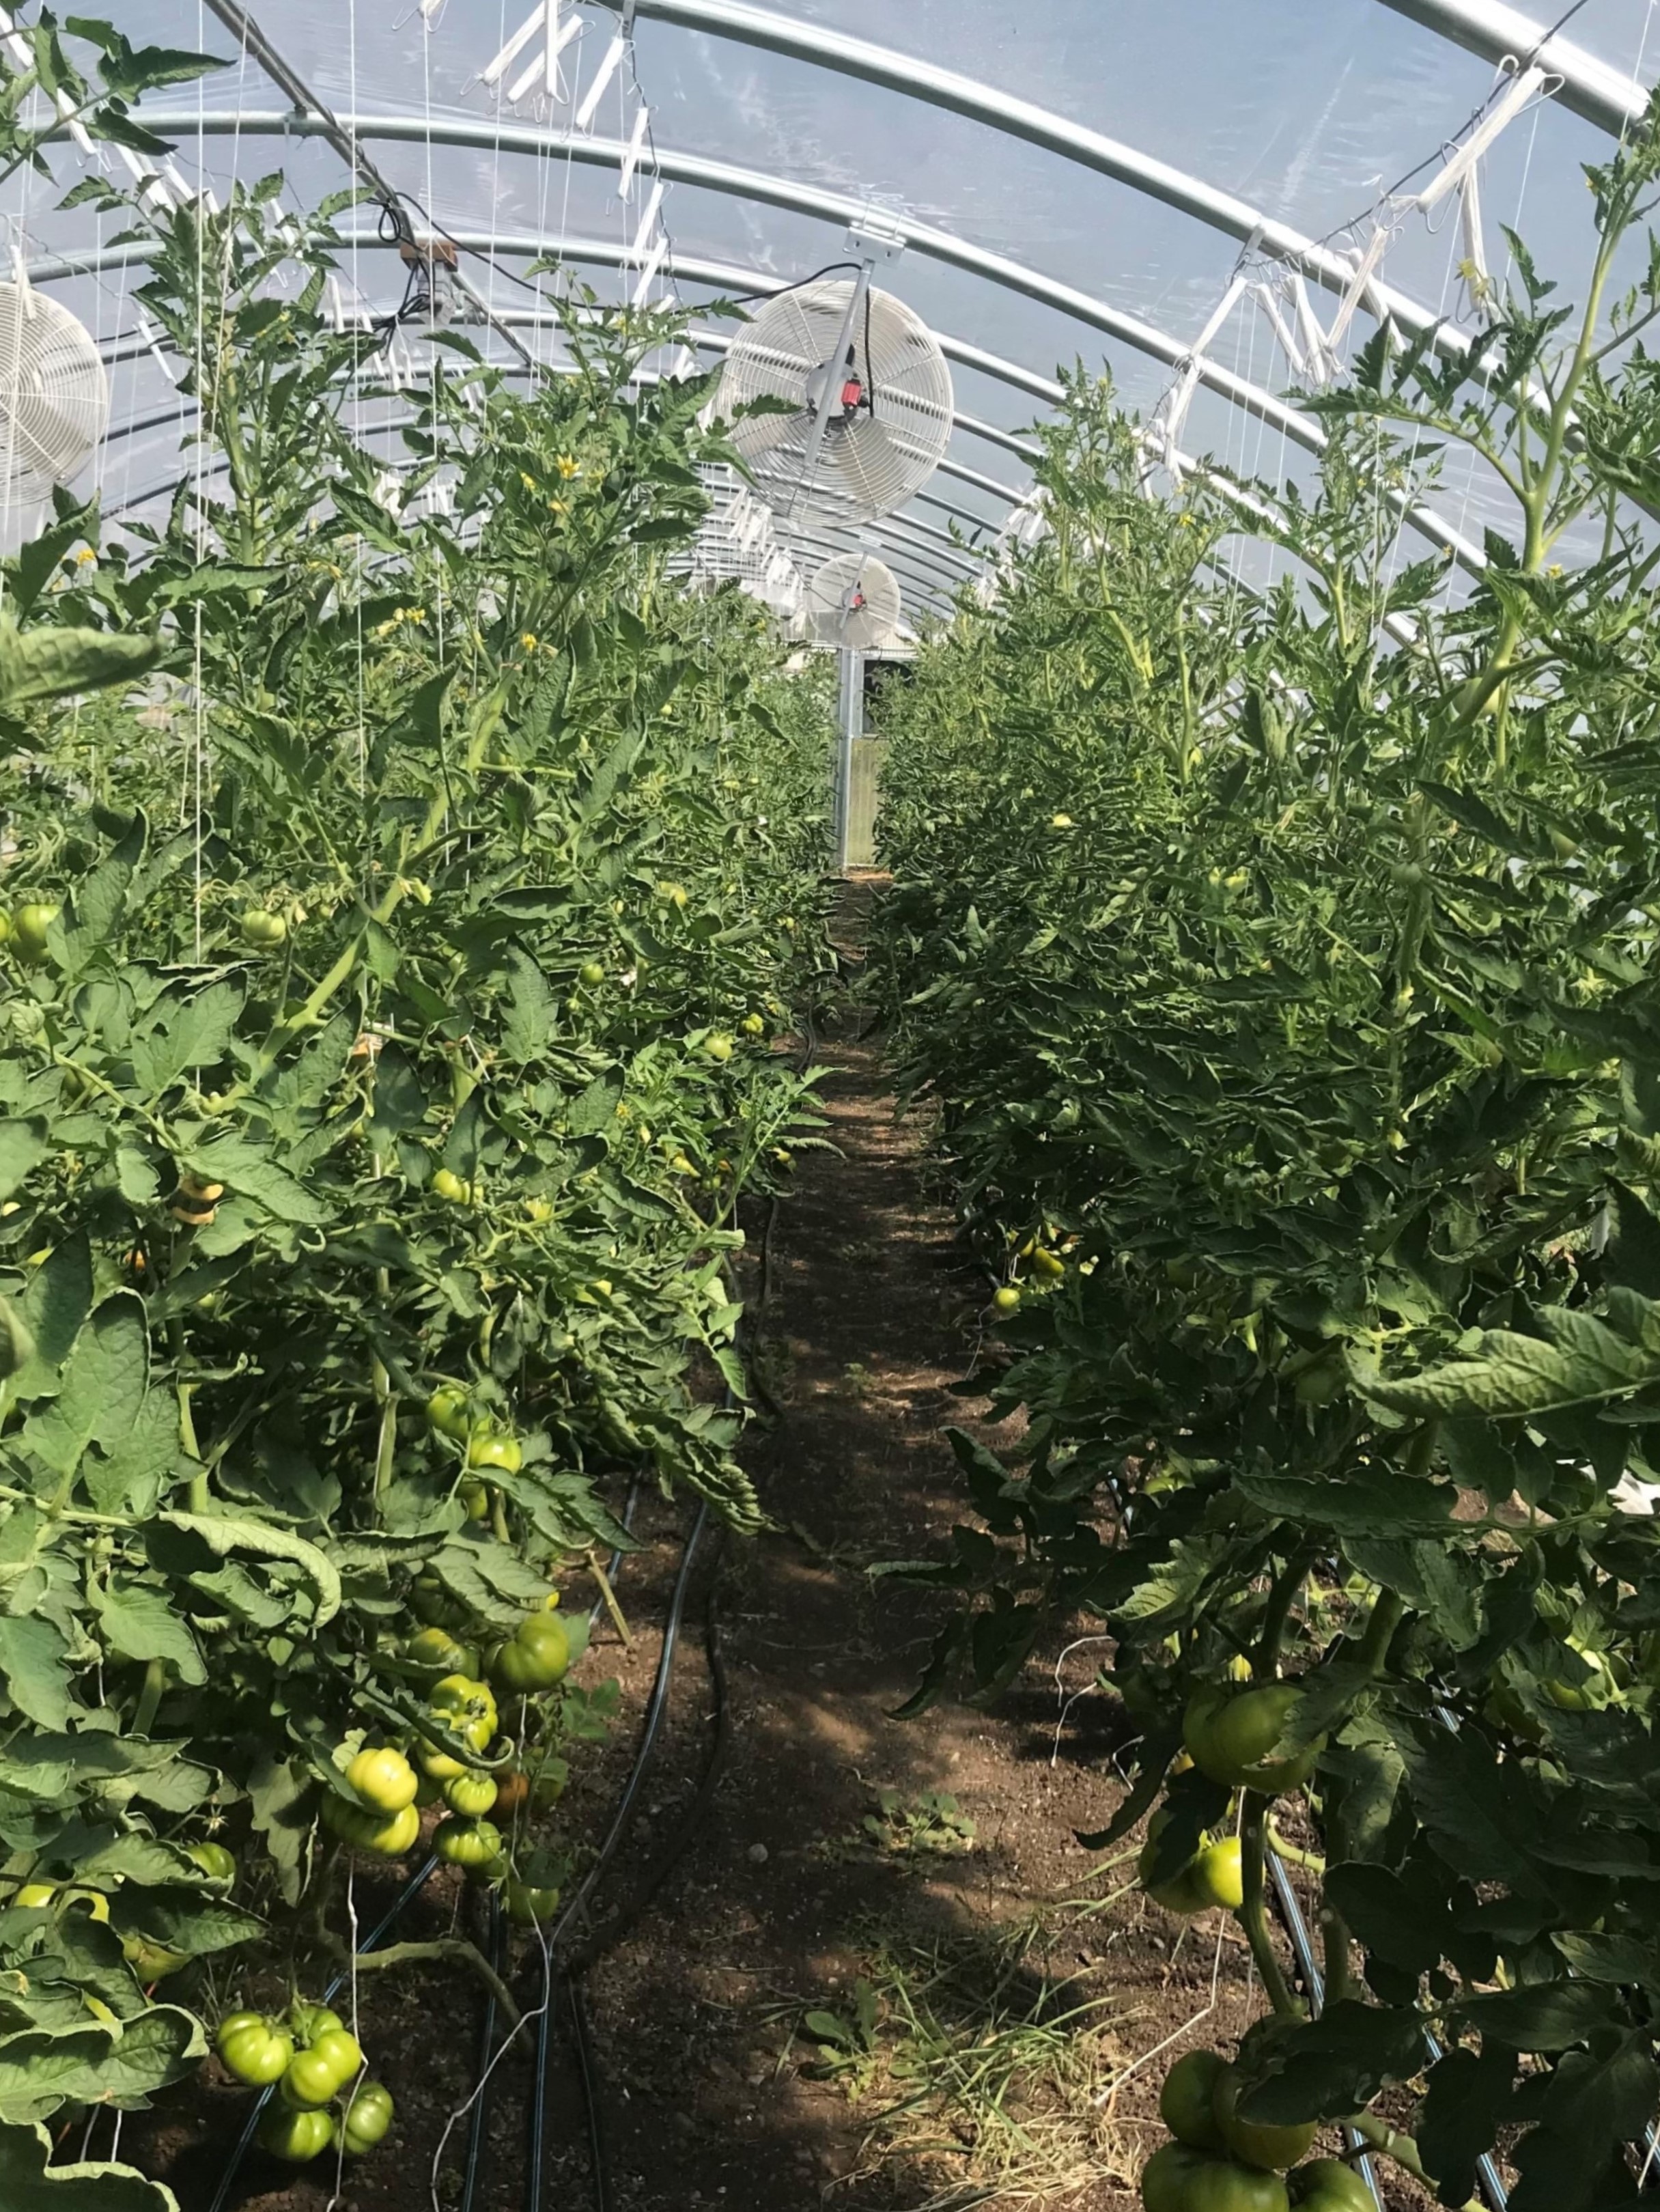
<point>452,1950</point>
<point>149,1697</point>
<point>1254,1914</point>
<point>597,1569</point>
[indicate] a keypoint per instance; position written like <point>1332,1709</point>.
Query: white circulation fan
<point>854,602</point>
<point>54,394</point>
<point>869,397</point>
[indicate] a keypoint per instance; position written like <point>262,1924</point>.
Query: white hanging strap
<point>550,57</point>
<point>1360,291</point>
<point>1477,275</point>
<point>1230,300</point>
<point>155,193</point>
<point>542,70</point>
<point>1281,329</point>
<point>516,45</point>
<point>648,221</point>
<point>632,153</point>
<point>610,62</point>
<point>1521,94</point>
<point>648,274</point>
<point>1173,412</point>
<point>1322,363</point>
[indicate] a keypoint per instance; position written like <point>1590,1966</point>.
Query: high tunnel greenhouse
<point>829,1106</point>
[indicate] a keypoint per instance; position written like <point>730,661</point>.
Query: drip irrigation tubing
<point>621,1822</point>
<point>1314,1982</point>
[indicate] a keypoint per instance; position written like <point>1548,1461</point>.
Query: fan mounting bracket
<point>876,240</point>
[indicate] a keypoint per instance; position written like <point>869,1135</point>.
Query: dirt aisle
<point>789,1895</point>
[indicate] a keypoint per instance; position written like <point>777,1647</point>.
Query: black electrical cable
<point>1313,1982</point>
<point>606,1938</point>
<point>622,1820</point>
<point>481,2106</point>
<point>781,291</point>
<point>475,2165</point>
<point>587,2061</point>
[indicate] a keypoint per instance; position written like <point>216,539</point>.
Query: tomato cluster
<point>314,2063</point>
<point>1218,2160</point>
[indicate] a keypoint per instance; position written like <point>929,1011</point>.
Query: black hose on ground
<point>598,2149</point>
<point>1314,1982</point>
<point>473,2173</point>
<point>607,1936</point>
<point>622,1820</point>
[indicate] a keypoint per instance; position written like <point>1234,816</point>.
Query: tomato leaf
<point>31,2182</point>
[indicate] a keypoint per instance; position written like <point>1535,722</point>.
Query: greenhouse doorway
<point>866,678</point>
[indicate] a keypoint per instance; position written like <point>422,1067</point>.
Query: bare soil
<point>750,1900</point>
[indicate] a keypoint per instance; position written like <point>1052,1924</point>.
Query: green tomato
<point>367,2120</point>
<point>1596,1690</point>
<point>467,1843</point>
<point>308,2021</point>
<point>214,1860</point>
<point>436,1648</point>
<point>718,1045</point>
<point>1255,2142</point>
<point>312,2077</point>
<point>1185,2100</point>
<point>591,974</point>
<point>253,2048</point>
<point>467,1705</point>
<point>152,1961</point>
<point>454,1190</point>
<point>1177,1893</point>
<point>470,1794</point>
<point>342,2051</point>
<point>535,1658</point>
<point>383,1778</point>
<point>262,929</point>
<point>446,1409</point>
<point>29,926</point>
<point>391,1838</point>
<point>475,1500</point>
<point>1326,2184</point>
<point>1217,1876</point>
<point>501,1452</point>
<point>1234,1740</point>
<point>527,1905</point>
<point>1007,1300</point>
<point>297,2137</point>
<point>1218,2184</point>
<point>753,1026</point>
<point>1166,2175</point>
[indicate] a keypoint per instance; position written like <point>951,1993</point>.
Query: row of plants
<point>1278,968</point>
<point>407,888</point>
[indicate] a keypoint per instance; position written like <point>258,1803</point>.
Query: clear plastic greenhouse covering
<point>1216,200</point>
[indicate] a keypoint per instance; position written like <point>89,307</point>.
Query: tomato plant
<point>324,1189</point>
<point>1281,973</point>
